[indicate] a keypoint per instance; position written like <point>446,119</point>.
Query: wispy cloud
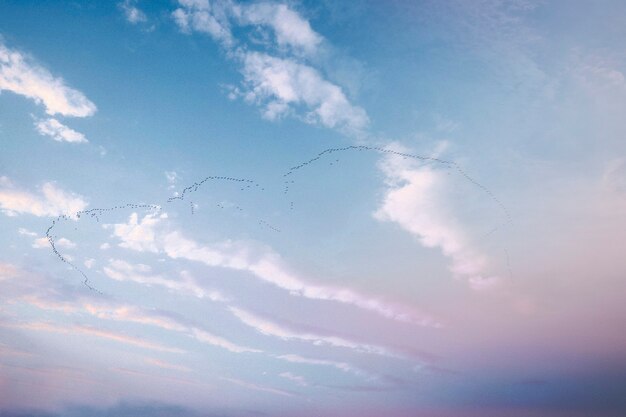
<point>21,75</point>
<point>120,270</point>
<point>167,365</point>
<point>52,201</point>
<point>257,387</point>
<point>271,328</point>
<point>261,262</point>
<point>138,234</point>
<point>132,314</point>
<point>43,242</point>
<point>281,85</point>
<point>58,131</point>
<point>280,80</point>
<point>95,332</point>
<point>7,271</point>
<point>25,232</point>
<point>342,366</point>
<point>297,379</point>
<point>289,27</point>
<point>131,12</point>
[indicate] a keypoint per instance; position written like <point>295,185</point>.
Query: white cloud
<point>297,379</point>
<point>257,387</point>
<point>260,261</point>
<point>89,263</point>
<point>270,328</point>
<point>343,366</point>
<point>58,131</point>
<point>138,234</point>
<point>26,232</point>
<point>7,271</point>
<point>206,337</point>
<point>281,85</point>
<point>132,13</point>
<point>207,17</point>
<point>268,266</point>
<point>167,365</point>
<point>415,200</point>
<point>21,75</point>
<point>614,178</point>
<point>132,314</point>
<point>94,332</point>
<point>142,274</point>
<point>289,27</point>
<point>52,201</point>
<point>43,242</point>
<point>172,179</point>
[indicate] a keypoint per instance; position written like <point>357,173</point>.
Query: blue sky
<point>312,208</point>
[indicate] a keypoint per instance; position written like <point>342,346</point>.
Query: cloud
<point>131,12</point>
<point>206,337</point>
<point>95,332</point>
<point>51,202</point>
<point>342,366</point>
<point>166,365</point>
<point>50,299</point>
<point>254,258</point>
<point>282,85</point>
<point>123,409</point>
<point>207,17</point>
<point>172,179</point>
<point>58,131</point>
<point>614,178</point>
<point>142,274</point>
<point>43,242</point>
<point>297,379</point>
<point>414,199</point>
<point>26,232</point>
<point>290,29</point>
<point>138,234</point>
<point>21,75</point>
<point>7,271</point>
<point>257,387</point>
<point>268,266</point>
<point>285,332</point>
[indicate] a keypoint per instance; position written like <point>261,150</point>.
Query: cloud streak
<point>58,131</point>
<point>271,328</point>
<point>148,235</point>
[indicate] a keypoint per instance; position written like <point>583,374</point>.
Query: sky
<point>312,208</point>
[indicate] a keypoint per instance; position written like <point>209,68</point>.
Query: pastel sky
<point>313,208</point>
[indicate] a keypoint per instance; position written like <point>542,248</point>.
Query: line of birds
<point>95,213</point>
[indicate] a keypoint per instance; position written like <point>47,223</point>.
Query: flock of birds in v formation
<point>247,184</point>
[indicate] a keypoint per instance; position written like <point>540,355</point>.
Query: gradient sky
<point>357,208</point>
